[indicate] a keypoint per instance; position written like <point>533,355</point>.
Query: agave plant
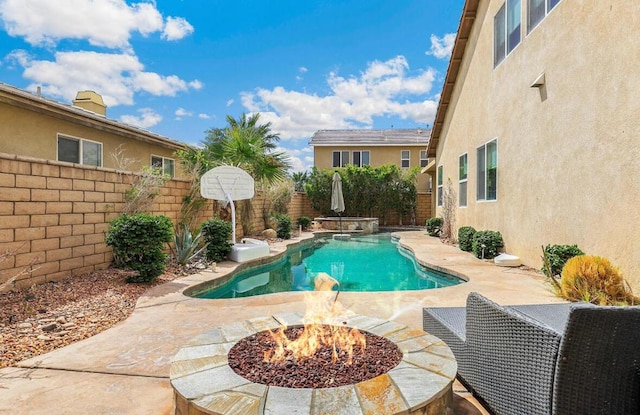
<point>186,246</point>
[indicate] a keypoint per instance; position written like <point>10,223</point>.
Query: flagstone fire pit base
<point>421,383</point>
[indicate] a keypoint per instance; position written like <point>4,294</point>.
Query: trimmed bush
<point>486,244</point>
<point>434,226</point>
<point>593,279</point>
<point>138,242</point>
<point>555,256</point>
<point>217,235</point>
<point>465,238</point>
<point>283,229</point>
<point>304,221</point>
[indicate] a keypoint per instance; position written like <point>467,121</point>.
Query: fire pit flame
<point>321,328</point>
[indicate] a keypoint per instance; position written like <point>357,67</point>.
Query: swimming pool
<point>363,263</point>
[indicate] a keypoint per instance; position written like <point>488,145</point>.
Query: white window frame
<point>424,159</point>
<point>463,181</point>
<point>344,155</point>
<point>440,185</point>
<point>81,142</point>
<point>482,177</point>
<point>403,159</point>
<point>163,167</point>
<point>510,8</point>
<point>361,153</point>
<point>548,6</point>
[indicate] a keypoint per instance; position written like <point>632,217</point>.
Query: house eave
<point>467,19</point>
<point>28,101</point>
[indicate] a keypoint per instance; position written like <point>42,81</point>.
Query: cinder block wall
<point>53,216</point>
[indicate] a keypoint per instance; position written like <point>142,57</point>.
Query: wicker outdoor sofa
<point>559,359</point>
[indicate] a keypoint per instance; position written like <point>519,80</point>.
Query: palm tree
<point>249,145</point>
<point>243,143</point>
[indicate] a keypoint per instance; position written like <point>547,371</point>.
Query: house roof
<point>20,98</point>
<point>394,137</point>
<point>467,19</point>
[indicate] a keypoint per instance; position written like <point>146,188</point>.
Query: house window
<point>487,186</point>
<point>168,166</point>
<point>537,10</point>
<point>440,173</point>
<point>340,158</point>
<point>404,158</point>
<point>462,180</point>
<point>79,150</point>
<point>361,158</point>
<point>424,160</point>
<point>506,30</point>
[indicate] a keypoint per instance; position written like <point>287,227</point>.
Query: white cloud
<point>297,159</point>
<point>176,28</point>
<point>302,69</point>
<point>147,118</point>
<point>195,84</point>
<point>383,90</point>
<point>116,76</point>
<point>441,47</point>
<point>230,102</point>
<point>181,112</point>
<point>204,116</point>
<point>108,23</point>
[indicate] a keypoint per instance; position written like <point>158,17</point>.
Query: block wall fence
<point>54,215</point>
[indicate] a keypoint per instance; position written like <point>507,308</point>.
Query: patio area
<point>125,370</point>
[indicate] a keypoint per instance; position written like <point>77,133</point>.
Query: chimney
<point>90,101</point>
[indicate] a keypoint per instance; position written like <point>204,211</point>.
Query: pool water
<point>363,263</point>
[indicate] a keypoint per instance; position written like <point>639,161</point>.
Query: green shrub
<point>138,242</point>
<point>186,246</point>
<point>465,238</point>
<point>434,226</point>
<point>555,256</point>
<point>486,244</point>
<point>283,229</point>
<point>217,235</point>
<point>304,221</point>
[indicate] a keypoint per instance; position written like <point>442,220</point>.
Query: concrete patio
<point>125,370</point>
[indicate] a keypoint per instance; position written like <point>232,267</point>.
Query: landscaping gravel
<point>52,315</point>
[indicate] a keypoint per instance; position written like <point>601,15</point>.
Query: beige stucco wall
<point>28,133</point>
<point>379,155</point>
<point>568,155</point>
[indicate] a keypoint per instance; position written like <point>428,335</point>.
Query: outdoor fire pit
<point>206,380</point>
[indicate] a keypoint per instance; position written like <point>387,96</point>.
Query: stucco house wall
<point>381,150</point>
<point>30,125</point>
<point>568,157</point>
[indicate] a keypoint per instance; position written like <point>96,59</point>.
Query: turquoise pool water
<point>363,263</point>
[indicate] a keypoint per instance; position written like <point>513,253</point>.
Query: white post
<point>233,218</point>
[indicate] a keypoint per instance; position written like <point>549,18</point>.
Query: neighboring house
<point>33,126</point>
<point>538,126</point>
<point>402,147</point>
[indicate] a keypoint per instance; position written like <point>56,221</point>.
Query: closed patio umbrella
<point>337,199</point>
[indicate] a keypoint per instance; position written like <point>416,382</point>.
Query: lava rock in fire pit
<point>247,359</point>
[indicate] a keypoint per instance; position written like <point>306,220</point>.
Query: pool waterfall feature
<point>347,224</point>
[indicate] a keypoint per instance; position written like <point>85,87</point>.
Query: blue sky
<point>179,67</point>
